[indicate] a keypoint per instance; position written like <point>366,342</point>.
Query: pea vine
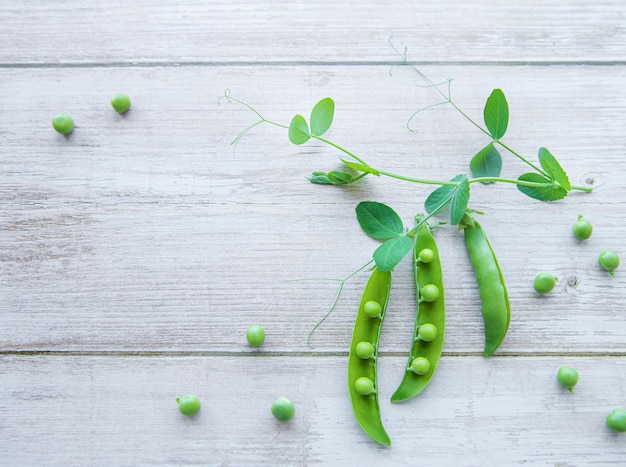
<point>547,180</point>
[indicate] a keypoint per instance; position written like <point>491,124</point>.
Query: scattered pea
<point>545,282</point>
<point>372,309</point>
<point>616,420</point>
<point>430,293</point>
<point>188,405</point>
<point>63,123</point>
<point>609,260</point>
<point>364,386</point>
<point>120,102</point>
<point>582,228</point>
<point>283,409</point>
<point>255,335</point>
<point>567,377</point>
<point>426,255</point>
<point>427,332</point>
<point>420,366</point>
<point>364,350</point>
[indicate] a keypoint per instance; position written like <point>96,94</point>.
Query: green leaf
<point>322,116</point>
<point>442,195</point>
<point>360,167</point>
<point>458,204</point>
<point>496,114</point>
<point>299,130</point>
<point>550,192</point>
<point>378,220</point>
<point>553,169</point>
<point>339,177</point>
<point>487,163</point>
<point>390,253</point>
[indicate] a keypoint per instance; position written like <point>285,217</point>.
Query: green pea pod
<point>362,366</point>
<point>430,317</point>
<point>493,295</point>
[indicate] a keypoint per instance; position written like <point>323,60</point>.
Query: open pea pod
<point>363,355</point>
<point>430,317</point>
<point>494,297</point>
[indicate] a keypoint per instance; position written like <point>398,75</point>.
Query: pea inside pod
<point>496,309</point>
<point>430,318</point>
<point>362,379</point>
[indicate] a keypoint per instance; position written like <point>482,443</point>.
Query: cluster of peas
<point>282,408</point>
<point>545,282</point>
<point>64,124</point>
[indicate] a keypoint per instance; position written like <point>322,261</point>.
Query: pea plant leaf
<point>496,114</point>
<point>553,169</point>
<point>299,130</point>
<point>378,220</point>
<point>360,167</point>
<point>455,195</point>
<point>322,116</point>
<point>390,253</point>
<point>486,163</point>
<point>549,192</point>
<point>459,201</point>
<point>334,177</point>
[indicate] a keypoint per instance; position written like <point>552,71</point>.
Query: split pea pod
<point>430,318</point>
<point>363,354</point>
<point>496,309</point>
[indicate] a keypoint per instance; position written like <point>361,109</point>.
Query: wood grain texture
<point>102,410</point>
<point>149,31</point>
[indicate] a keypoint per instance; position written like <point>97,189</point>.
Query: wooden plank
<point>121,411</point>
<point>149,31</point>
<point>146,232</point>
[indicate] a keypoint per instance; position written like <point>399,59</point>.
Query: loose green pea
<point>188,405</point>
<point>255,335</point>
<point>582,228</point>
<point>545,282</point>
<point>420,366</point>
<point>120,102</point>
<point>426,255</point>
<point>616,420</point>
<point>364,386</point>
<point>364,350</point>
<point>430,293</point>
<point>283,409</point>
<point>372,309</point>
<point>63,123</point>
<point>609,261</point>
<point>567,377</point>
<point>427,332</point>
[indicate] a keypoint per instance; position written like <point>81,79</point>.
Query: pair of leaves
<point>321,120</point>
<point>381,222</point>
<point>457,196</point>
<point>488,161</point>
<point>556,181</point>
<point>334,177</point>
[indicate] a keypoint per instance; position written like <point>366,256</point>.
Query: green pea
<point>188,405</point>
<point>364,350</point>
<point>120,102</point>
<point>283,409</point>
<point>420,366</point>
<point>426,255</point>
<point>372,309</point>
<point>567,377</point>
<point>582,228</point>
<point>63,123</point>
<point>616,420</point>
<point>430,293</point>
<point>255,335</point>
<point>364,386</point>
<point>427,332</point>
<point>609,260</point>
<point>545,282</point>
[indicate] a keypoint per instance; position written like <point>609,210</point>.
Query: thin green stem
<point>523,159</point>
<point>344,150</point>
<point>417,180</point>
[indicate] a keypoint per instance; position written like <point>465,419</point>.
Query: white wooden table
<point>136,252</point>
